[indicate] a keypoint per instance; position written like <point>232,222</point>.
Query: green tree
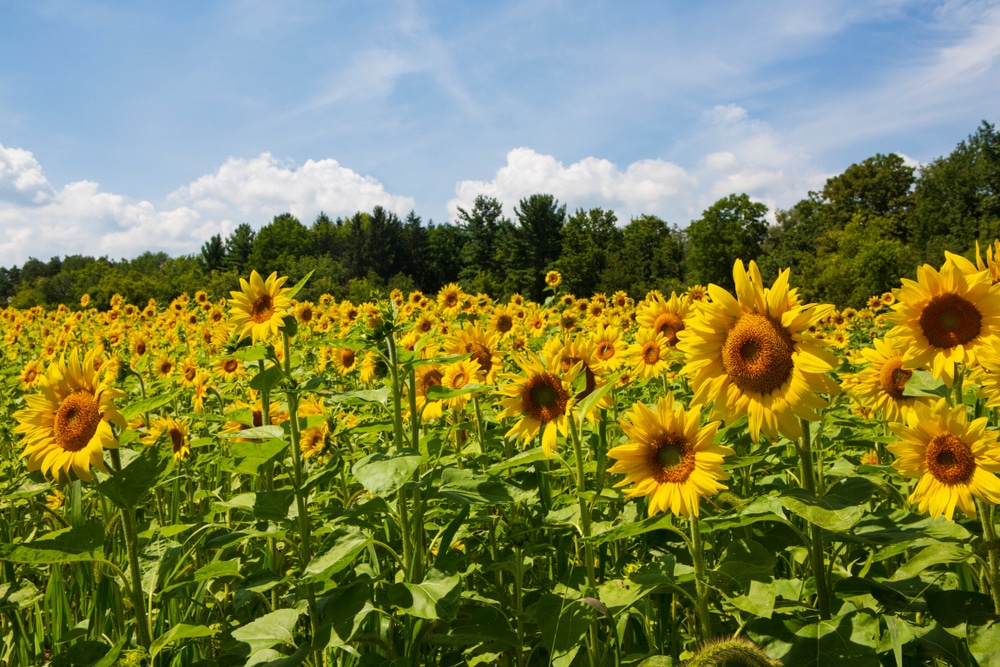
<point>732,228</point>
<point>213,254</point>
<point>652,257</point>
<point>589,240</point>
<point>480,260</point>
<point>278,243</point>
<point>239,245</point>
<point>540,219</point>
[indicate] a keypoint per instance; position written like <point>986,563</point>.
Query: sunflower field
<point>702,479</point>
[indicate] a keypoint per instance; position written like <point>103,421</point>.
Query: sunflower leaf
<point>148,404</point>
<point>129,486</point>
<point>382,475</point>
<point>299,285</point>
<point>81,543</point>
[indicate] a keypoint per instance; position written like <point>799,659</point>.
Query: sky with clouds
<point>127,127</point>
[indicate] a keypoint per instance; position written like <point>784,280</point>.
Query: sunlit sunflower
<point>671,457</point>
<point>649,355</point>
<point>697,293</point>
<point>457,376</point>
<point>31,372</point>
<point>260,307</point>
<point>541,399</point>
<point>553,279</point>
<point>664,316</point>
<point>945,318</point>
<point>163,366</point>
<point>189,371</point>
<point>449,299</point>
<point>502,320</point>
<point>67,426</point>
<point>881,387</point>
<point>176,431</point>
<point>345,360</point>
<point>228,369</point>
<point>992,263</point>
<point>482,345</point>
<point>427,376</point>
<point>579,350</point>
<point>750,355</point>
<point>954,460</point>
<point>312,438</point>
<point>609,347</point>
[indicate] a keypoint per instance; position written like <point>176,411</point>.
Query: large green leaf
<point>18,595</point>
<point>268,432</point>
<point>221,568</point>
<point>564,624</point>
<point>266,379</point>
<point>273,505</point>
<point>843,640</point>
<point>343,612</point>
<point>177,633</point>
<point>742,562</point>
<point>278,627</point>
<point>271,658</point>
<point>842,506</point>
<point>150,404</point>
<point>436,597</point>
<point>953,610</point>
<point>935,554</point>
<point>633,528</point>
<point>984,642</point>
<point>522,459</point>
<point>129,486</point>
<point>465,487</point>
<point>765,508</point>
<point>384,474</point>
<point>82,543</point>
<point>347,541</point>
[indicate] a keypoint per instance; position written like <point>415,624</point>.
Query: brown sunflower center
<point>650,353</point>
<point>949,320</point>
<point>671,458</point>
<point>459,380</point>
<point>230,365</point>
<point>262,309</point>
<point>76,421</point>
<point>668,324</point>
<point>450,300</point>
<point>757,353</point>
<point>424,326</point>
<point>950,460</point>
<point>893,377</point>
<point>190,372</point>
<point>544,398</point>
<point>504,323</point>
<point>430,379</point>
<point>605,350</point>
<point>176,438</point>
<point>481,355</point>
<point>347,358</point>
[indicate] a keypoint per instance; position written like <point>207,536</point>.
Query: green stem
<point>397,402</point>
<point>585,529</point>
<point>986,512</point>
<point>132,549</point>
<point>959,377</point>
<point>816,554</point>
<point>701,586</point>
<point>519,602</point>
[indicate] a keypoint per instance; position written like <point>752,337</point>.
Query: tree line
<point>856,237</point>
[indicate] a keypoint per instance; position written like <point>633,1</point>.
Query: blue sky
<point>127,127</point>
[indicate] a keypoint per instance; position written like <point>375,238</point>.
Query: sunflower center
<point>650,353</point>
<point>671,459</point>
<point>950,460</point>
<point>668,324</point>
<point>262,309</point>
<point>176,438</point>
<point>76,421</point>
<point>544,398</point>
<point>459,380</point>
<point>757,354</point>
<point>347,358</point>
<point>605,350</point>
<point>481,354</point>
<point>230,365</point>
<point>431,379</point>
<point>504,323</point>
<point>893,377</point>
<point>950,320</point>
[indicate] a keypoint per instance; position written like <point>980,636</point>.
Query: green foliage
<point>732,228</point>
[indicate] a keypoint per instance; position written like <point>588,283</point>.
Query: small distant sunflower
<point>881,386</point>
<point>449,299</point>
<point>649,355</point>
<point>345,360</point>
<point>502,320</point>
<point>553,279</point>
<point>31,372</point>
<point>163,366</point>
<point>228,368</point>
<point>482,345</point>
<point>609,348</point>
<point>260,307</point>
<point>697,293</point>
<point>176,431</point>
<point>954,460</point>
<point>750,355</point>
<point>671,457</point>
<point>67,426</point>
<point>664,316</point>
<point>945,318</point>
<point>541,399</point>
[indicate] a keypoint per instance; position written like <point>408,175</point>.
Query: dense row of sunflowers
<point>457,484</point>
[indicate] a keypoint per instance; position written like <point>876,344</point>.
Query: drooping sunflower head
<point>946,317</point>
<point>954,461</point>
<point>67,426</point>
<point>260,307</point>
<point>671,458</point>
<point>751,355</point>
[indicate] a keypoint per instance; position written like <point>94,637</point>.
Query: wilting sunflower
<point>750,355</point>
<point>176,431</point>
<point>671,457</point>
<point>881,386</point>
<point>260,307</point>
<point>541,400</point>
<point>945,318</point>
<point>67,426</point>
<point>953,460</point>
<point>664,316</point>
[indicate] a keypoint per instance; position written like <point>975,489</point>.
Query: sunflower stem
<point>816,555</point>
<point>397,401</point>
<point>132,550</point>
<point>698,559</point>
<point>986,513</point>
<point>588,548</point>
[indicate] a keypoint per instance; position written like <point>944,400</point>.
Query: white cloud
<point>39,220</point>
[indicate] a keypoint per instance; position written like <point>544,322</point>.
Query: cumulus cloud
<point>40,220</point>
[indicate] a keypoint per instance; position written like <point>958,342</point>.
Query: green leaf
<point>254,353</point>
<point>18,595</point>
<point>953,610</point>
<point>348,541</point>
<point>269,432</point>
<point>343,613</point>
<point>84,654</point>
<point>81,543</point>
<point>127,488</point>
<point>464,487</point>
<point>177,632</point>
<point>221,568</point>
<point>620,594</point>
<point>522,459</point>
<point>266,379</point>
<point>248,457</point>
<point>436,597</point>
<point>935,554</point>
<point>271,658</point>
<point>759,600</point>
<point>742,562</point>
<point>564,624</point>
<point>273,505</point>
<point>382,475</point>
<point>842,506</point>
<point>765,508</point>
<point>922,383</point>
<point>584,407</point>
<point>633,528</point>
<point>278,627</point>
<point>984,643</point>
<point>439,392</point>
<point>843,640</point>
<point>380,396</point>
<point>150,404</point>
<point>299,285</point>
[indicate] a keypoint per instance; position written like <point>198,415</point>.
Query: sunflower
<point>163,367</point>
<point>665,317</point>
<point>553,279</point>
<point>450,299</point>
<point>345,360</point>
<point>750,355</point>
<point>312,439</point>
<point>458,375</point>
<point>228,368</point>
<point>260,307</point>
<point>541,399</point>
<point>945,318</point>
<point>471,339</point>
<point>881,386</point>
<point>67,426</point>
<point>953,460</point>
<point>671,458</point>
<point>649,355</point>
<point>427,376</point>
<point>570,351</point>
<point>176,430</point>
<point>502,320</point>
<point>31,372</point>
<point>609,348</point>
